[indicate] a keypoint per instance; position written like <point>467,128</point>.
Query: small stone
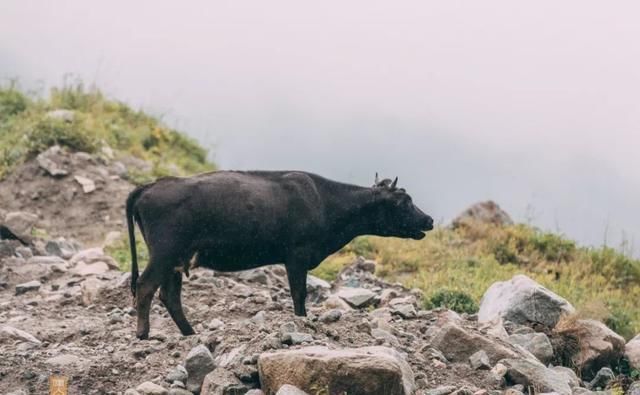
<point>87,184</point>
<point>179,373</point>
<point>28,286</point>
<point>406,311</point>
<point>602,378</point>
<point>289,389</point>
<point>330,316</point>
<point>215,324</point>
<point>480,361</point>
<point>356,297</point>
<point>443,390</point>
<point>293,338</point>
<point>18,334</point>
<point>150,388</point>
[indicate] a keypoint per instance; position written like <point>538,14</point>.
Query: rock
<point>61,115</point>
<point>522,301</point>
<point>537,344</point>
<point>255,392</point>
<point>149,388</point>
<point>90,291</point>
<point>443,390</point>
<point>533,373</point>
<point>330,316</point>
<point>52,162</point>
<point>458,344</point>
<point>384,335</point>
<point>7,248</point>
<point>10,332</point>
<point>179,373</point>
<point>335,302</point>
<point>634,389</point>
<point>599,346</point>
<point>288,389</point>
<point>20,222</point>
<point>83,269</point>
<point>222,382</point>
<point>356,371</point>
<point>112,238</point>
<point>33,285</point>
<point>570,376</point>
<point>45,260</point>
<point>317,289</point>
<point>199,363</point>
<point>66,360</point>
<point>602,378</point>
<point>484,212</point>
<point>179,391</point>
<point>254,276</point>
<point>215,324</point>
<point>61,248</point>
<point>632,352</point>
<point>87,184</point>
<point>293,338</point>
<point>406,311</point>
<point>356,297</point>
<point>93,255</point>
<point>479,360</point>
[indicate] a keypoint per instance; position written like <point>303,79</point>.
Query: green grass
<point>26,130</point>
<point>455,268</point>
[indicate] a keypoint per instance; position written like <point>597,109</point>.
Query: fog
<point>535,105</point>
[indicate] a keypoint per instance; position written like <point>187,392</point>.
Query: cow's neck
<point>349,214</point>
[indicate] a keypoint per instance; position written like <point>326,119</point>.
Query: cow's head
<point>395,213</point>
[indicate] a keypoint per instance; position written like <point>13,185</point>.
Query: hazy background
<point>535,105</point>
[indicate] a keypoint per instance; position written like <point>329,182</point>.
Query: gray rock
<point>255,276</point>
<point>179,373</point>
<point>384,335</point>
<point>45,260</point>
<point>20,222</point>
<point>179,391</point>
<point>288,389</point>
<point>61,115</point>
<point>522,300</point>
<point>7,248</point>
<point>255,392</point>
<point>330,316</point>
<point>317,289</point>
<point>479,361</point>
<point>10,332</point>
<point>131,391</point>
<point>632,352</point>
<point>199,363</point>
<point>533,373</point>
<point>443,390</point>
<point>367,370</point>
<point>66,360</point>
<point>484,212</point>
<point>293,338</point>
<point>288,327</point>
<point>406,311</point>
<point>537,344</point>
<point>458,344</point>
<point>61,248</point>
<point>52,162</point>
<point>602,378</point>
<point>634,389</point>
<point>149,388</point>
<point>33,285</point>
<point>356,297</point>
<point>215,324</point>
<point>87,184</point>
<point>569,374</point>
<point>222,382</point>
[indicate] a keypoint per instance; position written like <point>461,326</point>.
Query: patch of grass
<point>119,250</point>
<point>455,300</point>
<point>330,268</point>
<point>26,129</point>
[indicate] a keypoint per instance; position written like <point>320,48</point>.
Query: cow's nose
<point>428,223</point>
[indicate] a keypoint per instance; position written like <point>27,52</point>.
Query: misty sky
<point>535,105</point>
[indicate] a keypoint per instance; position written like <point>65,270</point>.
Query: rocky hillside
<point>479,307</point>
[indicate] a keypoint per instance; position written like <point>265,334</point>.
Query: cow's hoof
<point>188,332</point>
<point>143,336</point>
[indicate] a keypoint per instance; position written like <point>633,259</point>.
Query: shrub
<point>48,132</point>
<point>457,301</point>
<point>12,102</point>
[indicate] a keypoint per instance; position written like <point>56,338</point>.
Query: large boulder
<point>356,371</point>
<point>484,212</point>
<point>531,373</point>
<point>458,344</point>
<point>598,346</point>
<point>523,301</point>
<point>632,351</point>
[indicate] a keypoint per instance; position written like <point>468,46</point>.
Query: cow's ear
<point>375,181</point>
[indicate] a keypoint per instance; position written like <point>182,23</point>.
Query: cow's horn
<point>393,184</point>
<point>375,182</point>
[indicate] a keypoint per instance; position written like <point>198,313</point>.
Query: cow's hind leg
<point>298,285</point>
<point>147,285</point>
<point>170,297</point>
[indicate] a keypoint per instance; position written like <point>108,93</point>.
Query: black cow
<point>237,220</point>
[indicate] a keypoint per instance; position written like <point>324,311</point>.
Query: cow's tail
<point>131,201</point>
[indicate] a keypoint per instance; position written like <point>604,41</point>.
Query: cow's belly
<point>235,258</point>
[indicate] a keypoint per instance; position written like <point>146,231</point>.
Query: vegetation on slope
<point>455,267</point>
<point>26,129</point>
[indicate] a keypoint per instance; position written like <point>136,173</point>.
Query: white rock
<point>149,388</point>
<point>87,184</point>
<point>7,331</point>
<point>632,351</point>
<point>356,297</point>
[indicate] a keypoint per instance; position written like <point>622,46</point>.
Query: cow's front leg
<point>297,275</point>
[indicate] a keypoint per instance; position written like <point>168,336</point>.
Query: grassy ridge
<point>455,268</point>
<point>26,130</point>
